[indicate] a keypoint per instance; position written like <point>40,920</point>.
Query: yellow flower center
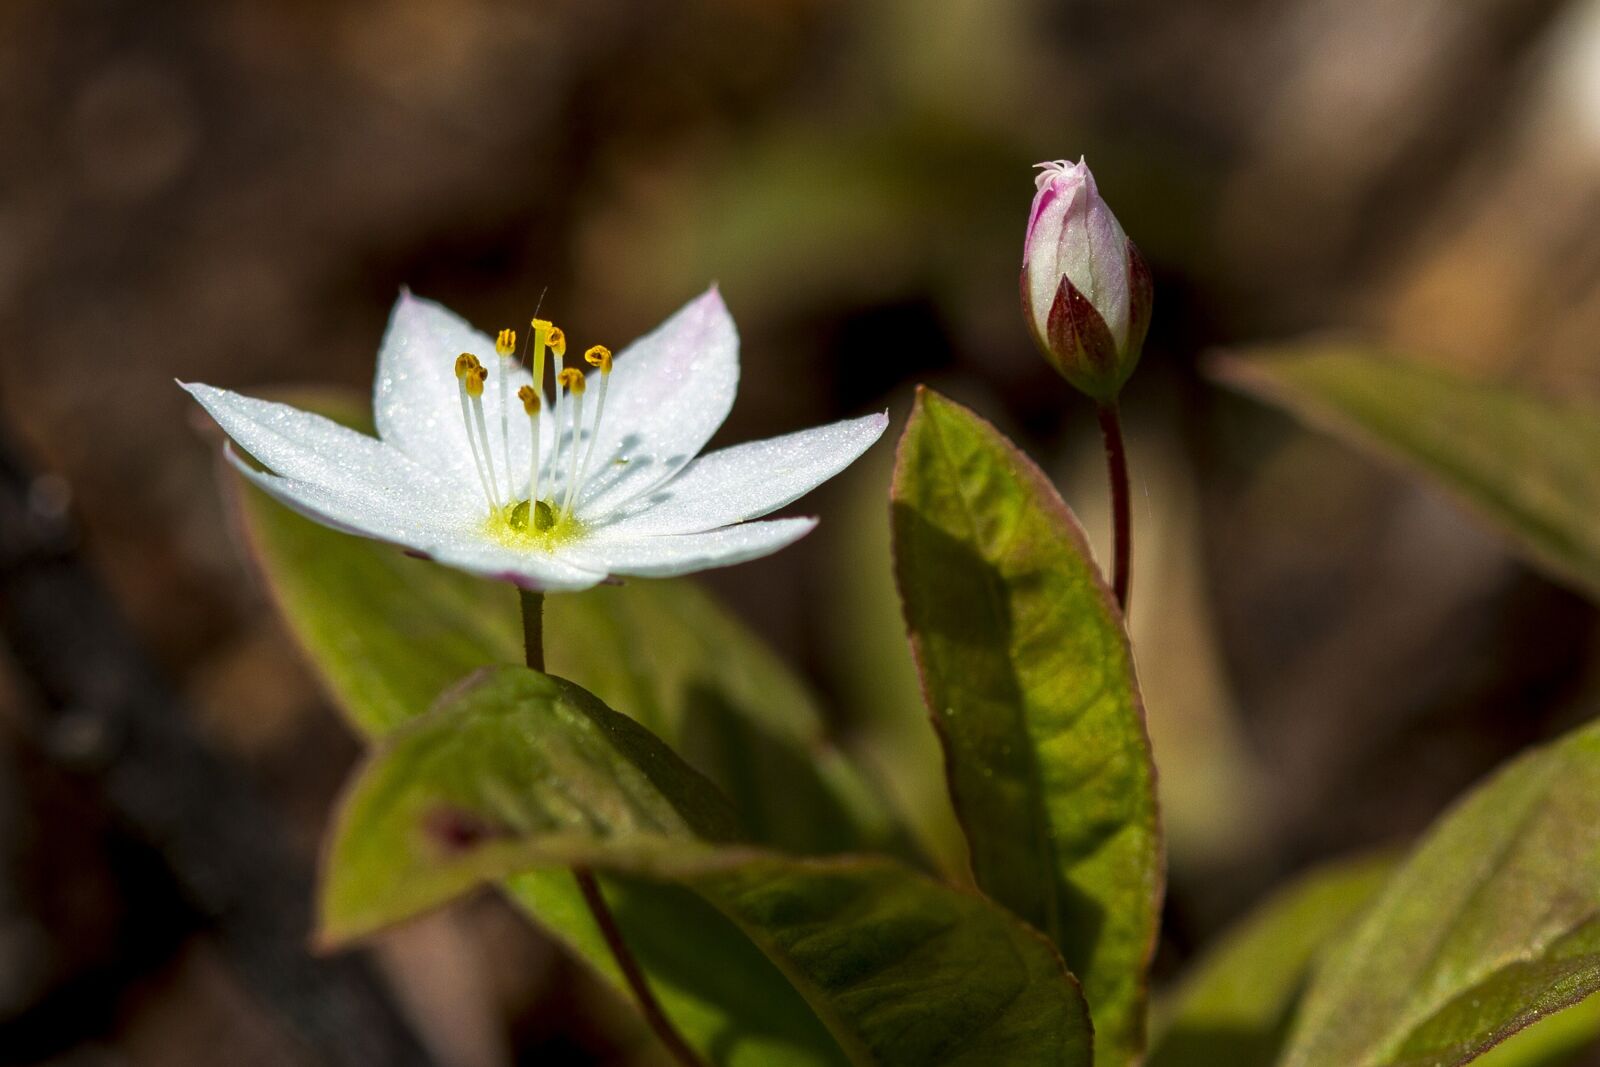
<point>548,528</point>
<point>519,515</point>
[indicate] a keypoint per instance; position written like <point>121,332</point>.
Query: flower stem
<point>1121,513</point>
<point>632,973</point>
<point>533,623</point>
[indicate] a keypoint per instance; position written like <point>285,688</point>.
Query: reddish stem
<point>632,973</point>
<point>1121,511</point>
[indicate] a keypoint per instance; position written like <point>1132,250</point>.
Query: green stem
<point>1121,512</point>
<point>632,973</point>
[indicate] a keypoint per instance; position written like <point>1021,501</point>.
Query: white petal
<point>749,480</point>
<point>665,555</point>
<point>416,400</point>
<point>410,524</point>
<point>530,570</point>
<point>433,533</point>
<point>669,392</point>
<point>318,451</point>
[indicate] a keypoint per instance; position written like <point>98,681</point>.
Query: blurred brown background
<point>234,192</point>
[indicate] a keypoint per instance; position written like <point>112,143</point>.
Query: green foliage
<point>1026,667</point>
<point>453,788</point>
<point>1550,1042</point>
<point>1487,927</point>
<point>904,970</point>
<point>512,756</point>
<point>519,770</point>
<point>735,853</point>
<point>688,671</point>
<point>1512,998</point>
<point>1237,1003</point>
<point>722,992</point>
<point>871,669</point>
<point>1531,466</point>
<point>389,633</point>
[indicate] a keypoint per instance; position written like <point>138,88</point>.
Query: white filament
<point>533,465</point>
<point>594,433</point>
<point>488,459</point>
<point>472,439</point>
<point>572,470</point>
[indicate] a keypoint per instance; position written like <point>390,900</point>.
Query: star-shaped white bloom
<point>618,489</point>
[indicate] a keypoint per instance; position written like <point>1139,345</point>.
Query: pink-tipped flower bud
<point>1086,291</point>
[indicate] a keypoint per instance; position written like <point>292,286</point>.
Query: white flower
<point>617,488</point>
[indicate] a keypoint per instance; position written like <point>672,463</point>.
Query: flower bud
<point>1086,291</point>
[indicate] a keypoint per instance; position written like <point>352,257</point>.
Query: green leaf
<point>1236,1005</point>
<point>521,770</point>
<point>904,971</point>
<point>688,671</point>
<point>1530,466</point>
<point>1027,670</point>
<point>1550,1042</point>
<point>724,995</point>
<point>515,755</point>
<point>1512,998</point>
<point>1487,927</point>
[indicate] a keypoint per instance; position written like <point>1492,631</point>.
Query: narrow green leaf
<point>1487,927</point>
<point>1236,1005</point>
<point>1027,671</point>
<point>1530,466</point>
<point>519,770</point>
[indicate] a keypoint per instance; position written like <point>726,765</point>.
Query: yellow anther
<point>572,379</point>
<point>530,399</point>
<point>506,343</point>
<point>599,356</point>
<point>540,326</point>
<point>466,363</point>
<point>475,378</point>
<point>556,340</point>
